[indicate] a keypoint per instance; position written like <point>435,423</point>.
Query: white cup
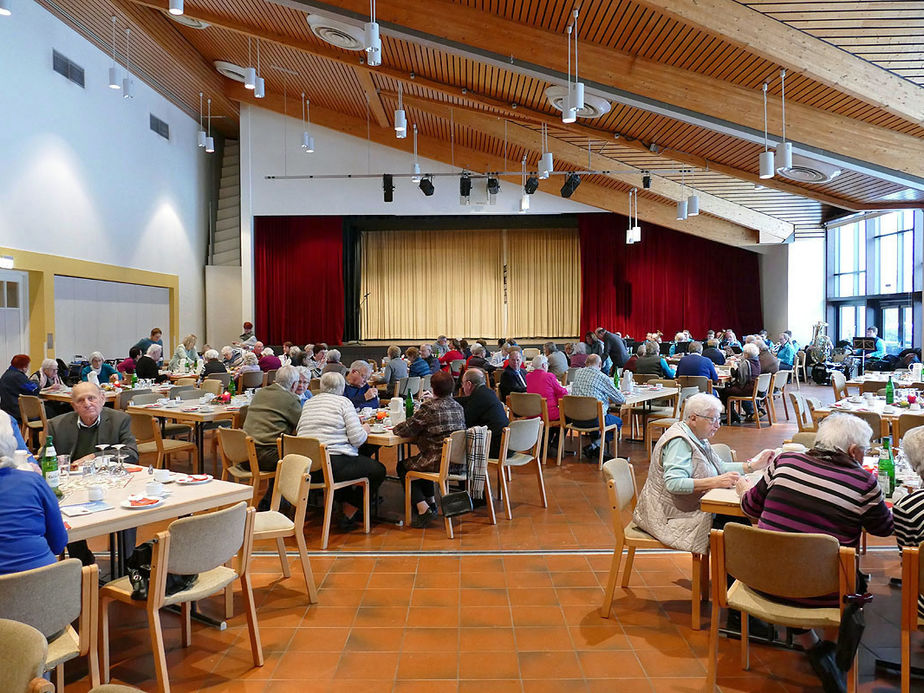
<point>96,492</point>
<point>162,475</point>
<point>914,407</point>
<point>153,488</point>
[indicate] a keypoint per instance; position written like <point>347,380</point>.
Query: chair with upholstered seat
<point>839,385</point>
<point>249,380</point>
<point>49,599</point>
<point>530,353</point>
<point>34,421</point>
<point>439,477</point>
<point>175,391</point>
<point>212,386</point>
<point>528,405</point>
<point>771,567</point>
<point>22,658</point>
<point>570,375</point>
<point>316,451</point>
<point>200,545</point>
<point>870,386</point>
<point>223,378</point>
<point>623,496</point>
<point>239,463</point>
<point>912,592</point>
<point>573,408</point>
<point>880,427</point>
<point>186,382</point>
<point>761,385</point>
<point>269,377</point>
<point>151,442</point>
<point>292,480</point>
<point>662,423</point>
<point>521,443</point>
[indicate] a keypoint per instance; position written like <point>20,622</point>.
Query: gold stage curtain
<point>543,282</point>
<point>425,283</point>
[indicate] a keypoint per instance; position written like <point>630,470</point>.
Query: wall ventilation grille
<point>67,68</point>
<point>160,127</point>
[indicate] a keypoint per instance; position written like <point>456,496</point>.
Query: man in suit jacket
<point>79,432</point>
<point>512,378</point>
<point>614,347</point>
<point>482,408</point>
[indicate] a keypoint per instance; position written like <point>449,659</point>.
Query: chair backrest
<point>806,438</point>
<point>762,384</point>
<point>127,396</point>
<point>908,421</point>
<point>525,405</point>
<point>212,386</point>
<point>23,650</point>
<point>579,408</point>
<point>700,382</point>
<point>780,379</point>
<point>571,374</point>
<point>309,447</point>
<point>642,378</point>
<point>31,408</point>
<point>177,389</point>
<point>524,435</point>
<point>240,417</point>
<point>782,564</point>
<point>459,449</point>
<point>563,378</point>
<point>269,377</point>
<point>401,386</point>
<point>224,378</point>
<point>192,393</point>
<point>803,416</point>
<point>232,443</point>
<point>142,427</point>
<point>425,382</point>
<point>873,419</point>
<point>186,382</point>
<point>293,474</point>
<point>142,397</point>
<point>685,394</point>
<point>620,477</point>
<point>202,542</point>
<point>314,385</point>
<point>839,385</point>
<point>47,598</point>
<point>413,385</point>
<point>456,366</point>
<point>251,379</point>
<point>725,453</point>
<point>665,382</point>
<point>870,386</point>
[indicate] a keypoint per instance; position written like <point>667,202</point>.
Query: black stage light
<point>493,186</point>
<point>646,181</point>
<point>388,187</point>
<point>532,185</point>
<point>571,183</point>
<point>426,186</point>
<point>465,189</point>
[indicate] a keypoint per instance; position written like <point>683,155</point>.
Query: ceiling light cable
<point>765,160</point>
<point>307,139</point>
<point>259,85</point>
<point>114,81</point>
<point>200,136</point>
<point>786,151</point>
<point>400,116</point>
<point>416,177</point>
<point>373,38</point>
<point>693,199</point>
<point>577,103</point>
<point>568,114</point>
<point>128,84</point>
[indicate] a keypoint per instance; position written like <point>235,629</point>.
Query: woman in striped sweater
<point>823,491</point>
<point>909,511</point>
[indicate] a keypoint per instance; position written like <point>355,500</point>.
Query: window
<point>850,260</point>
<point>893,243</point>
<point>851,322</point>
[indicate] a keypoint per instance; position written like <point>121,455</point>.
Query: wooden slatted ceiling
<point>884,32</point>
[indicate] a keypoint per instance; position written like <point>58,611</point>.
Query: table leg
<point>199,435</point>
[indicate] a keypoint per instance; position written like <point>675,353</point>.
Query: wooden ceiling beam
<point>650,210</point>
<point>800,52</point>
<point>372,96</point>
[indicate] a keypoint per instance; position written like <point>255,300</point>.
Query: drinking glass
<point>101,465</point>
<point>64,470</point>
<point>120,459</point>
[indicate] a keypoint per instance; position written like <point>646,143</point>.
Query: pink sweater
<point>546,384</point>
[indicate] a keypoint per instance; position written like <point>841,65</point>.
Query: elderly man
<point>713,353</point>
<point>591,382</point>
<point>258,349</point>
<point>513,379</point>
<point>557,361</point>
<point>77,434</point>
<point>442,345</point>
<point>357,389</point>
<point>231,357</point>
<point>16,382</point>
<point>274,410</point>
<point>482,408</point>
<point>613,347</point>
<point>426,355</point>
<point>478,360</point>
<point>695,364</point>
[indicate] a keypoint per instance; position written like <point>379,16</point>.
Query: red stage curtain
<point>669,282</point>
<point>298,279</point>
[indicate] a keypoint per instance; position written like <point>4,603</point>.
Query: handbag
<point>850,632</point>
<point>139,573</point>
<point>456,503</point>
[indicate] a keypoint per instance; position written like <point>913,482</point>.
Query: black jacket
<point>482,408</point>
<point>615,348</point>
<point>509,382</point>
<point>12,384</point>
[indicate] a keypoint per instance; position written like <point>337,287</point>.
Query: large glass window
<point>850,260</point>
<point>851,322</point>
<point>893,243</point>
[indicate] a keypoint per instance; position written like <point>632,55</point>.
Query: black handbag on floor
<point>850,632</point>
<point>456,503</point>
<point>139,573</point>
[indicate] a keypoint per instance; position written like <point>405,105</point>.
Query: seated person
<point>295,356</point>
<point>695,364</point>
<point>357,388</point>
<point>184,354</point>
<point>768,362</point>
<point>47,376</point>
<point>909,511</point>
<point>590,381</point>
<point>441,346</point>
<point>128,365</point>
<point>499,357</point>
<point>333,364</point>
<point>213,363</point>
<point>146,367</point>
<point>417,365</point>
<point>482,408</point>
<point>268,361</point>
<point>453,354</point>
<point>396,368</point>
<point>513,378</point>
<point>578,355</point>
<point>478,360</point>
<point>304,382</point>
<point>465,349</point>
<point>541,382</point>
<point>32,531</point>
<point>101,371</point>
<point>713,353</point>
<point>557,361</point>
<point>786,353</point>
<point>652,363</point>
<point>145,342</point>
<point>729,340</point>
<point>742,378</point>
<point>331,418</point>
<point>822,491</point>
<point>258,349</point>
<point>430,425</point>
<point>426,353</point>
<point>274,410</point>
<point>632,363</point>
<point>880,351</point>
<point>249,364</point>
<point>318,358</point>
<point>231,358</point>
<point>679,338</point>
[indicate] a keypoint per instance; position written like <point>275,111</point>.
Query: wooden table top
<point>875,405</point>
<point>187,412</point>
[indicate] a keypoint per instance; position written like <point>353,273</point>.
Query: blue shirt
<point>105,372</point>
<point>304,397</point>
<point>419,368</point>
<point>591,382</point>
<point>32,532</point>
<point>357,395</point>
<point>697,364</point>
<point>787,354</point>
<point>880,350</point>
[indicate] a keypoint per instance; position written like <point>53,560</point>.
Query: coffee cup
<point>162,475</point>
<point>153,488</point>
<point>377,428</point>
<point>96,492</point>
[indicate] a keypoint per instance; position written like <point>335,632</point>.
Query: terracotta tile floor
<point>506,608</point>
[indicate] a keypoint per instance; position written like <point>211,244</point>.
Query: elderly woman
<point>268,361</point>
<point>430,425</point>
<point>100,370</point>
<point>652,363</point>
<point>679,338</point>
<point>248,364</point>
<point>557,361</point>
<point>331,418</point>
<point>683,468</point>
<point>318,358</point>
<point>47,376</point>
<point>396,367</point>
<point>743,377</point>
<point>304,381</point>
<point>146,367</point>
<point>213,363</point>
<point>539,381</point>
<point>786,353</point>
<point>909,510</point>
<point>32,531</point>
<point>231,358</point>
<point>185,351</point>
<point>358,390</point>
<point>822,491</point>
<point>333,364</point>
<point>296,356</point>
<point>578,355</point>
<point>729,340</point>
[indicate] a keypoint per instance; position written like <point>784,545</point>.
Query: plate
<point>190,409</point>
<point>193,479</point>
<point>127,503</point>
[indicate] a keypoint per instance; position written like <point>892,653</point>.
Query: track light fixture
<point>128,84</point>
<point>426,186</point>
<point>465,189</point>
<point>765,160</point>
<point>250,74</point>
<point>209,140</point>
<point>682,211</point>
<point>114,81</point>
<point>388,188</point>
<point>493,185</point>
<point>6,8</point>
<point>524,198</point>
<point>785,149</point>
<point>546,165</point>
<point>373,39</point>
<point>176,7</point>
<point>531,185</point>
<point>307,139</point>
<point>400,116</point>
<point>646,180</point>
<point>259,85</point>
<point>571,184</point>
<point>200,136</point>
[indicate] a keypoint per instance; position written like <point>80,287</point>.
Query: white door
<point>14,325</point>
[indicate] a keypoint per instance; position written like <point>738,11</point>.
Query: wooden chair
<point>563,378</point>
<point>700,382</point>
<point>236,450</point>
<point>530,353</point>
<point>151,442</point>
<point>440,478</point>
<point>213,386</point>
<point>870,386</point>
<point>223,378</point>
<point>778,387</point>
<point>569,378</point>
<point>34,421</point>
<point>528,405</point>
<point>175,391</point>
<point>806,438</point>
<point>800,368</point>
<point>803,416</point>
<point>50,599</point>
<point>911,622</point>
<point>839,385</point>
<point>22,658</point>
<point>623,495</point>
<point>880,427</point>
<point>269,377</point>
<point>769,566</point>
<point>724,452</point>
<point>521,443</point>
<point>316,451</point>
<point>644,378</point>
<point>292,482</point>
<point>906,422</point>
<point>250,380</point>
<point>169,429</point>
<point>126,396</point>
<point>585,409</point>
<point>201,545</point>
<point>314,386</point>
<point>661,424</point>
<point>186,382</point>
<point>424,383</point>
<point>190,393</point>
<point>456,366</point>
<point>457,456</point>
<point>762,384</point>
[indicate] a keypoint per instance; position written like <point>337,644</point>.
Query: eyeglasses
<point>711,419</point>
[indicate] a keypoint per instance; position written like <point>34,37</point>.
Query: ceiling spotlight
<point>128,88</point>
<point>426,186</point>
<point>200,138</point>
<point>176,7</point>
<point>532,185</point>
<point>388,187</point>
<point>765,160</point>
<point>209,140</point>
<point>465,189</point>
<point>416,177</point>
<point>571,184</point>
<point>128,84</point>
<point>646,180</point>
<point>546,165</point>
<point>209,145</point>
<point>6,8</point>
<point>373,40</point>
<point>693,205</point>
<point>493,185</point>
<point>114,81</point>
<point>307,143</point>
<point>259,88</point>
<point>681,210</point>
<point>250,78</point>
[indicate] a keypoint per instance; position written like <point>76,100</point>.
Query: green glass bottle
<point>134,380</point>
<point>49,462</point>
<point>408,405</point>
<point>232,388</point>
<point>890,391</point>
<point>616,378</point>
<point>887,468</point>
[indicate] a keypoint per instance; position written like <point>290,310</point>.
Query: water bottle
<point>49,462</point>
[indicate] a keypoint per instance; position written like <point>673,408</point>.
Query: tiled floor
<point>512,607</point>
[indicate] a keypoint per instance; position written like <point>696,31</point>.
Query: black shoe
<point>821,657</point>
<point>591,451</point>
<point>735,419</point>
<point>749,418</point>
<point>433,507</point>
<point>348,524</point>
<point>422,520</point>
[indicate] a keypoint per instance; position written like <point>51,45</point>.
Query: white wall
<point>82,174</point>
<point>774,288</point>
<point>270,146</point>
<point>806,287</point>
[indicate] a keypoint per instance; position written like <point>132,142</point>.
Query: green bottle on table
<point>408,405</point>
<point>616,378</point>
<point>887,468</point>
<point>890,391</point>
<point>49,462</point>
<point>232,388</point>
<point>134,380</point>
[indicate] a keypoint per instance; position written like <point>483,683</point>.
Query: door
<point>14,325</point>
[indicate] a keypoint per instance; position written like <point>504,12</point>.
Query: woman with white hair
<point>213,363</point>
<point>683,468</point>
<point>146,367</point>
<point>742,378</point>
<point>331,418</point>
<point>47,376</point>
<point>103,372</point>
<point>909,510</point>
<point>333,364</point>
<point>578,355</point>
<point>248,364</point>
